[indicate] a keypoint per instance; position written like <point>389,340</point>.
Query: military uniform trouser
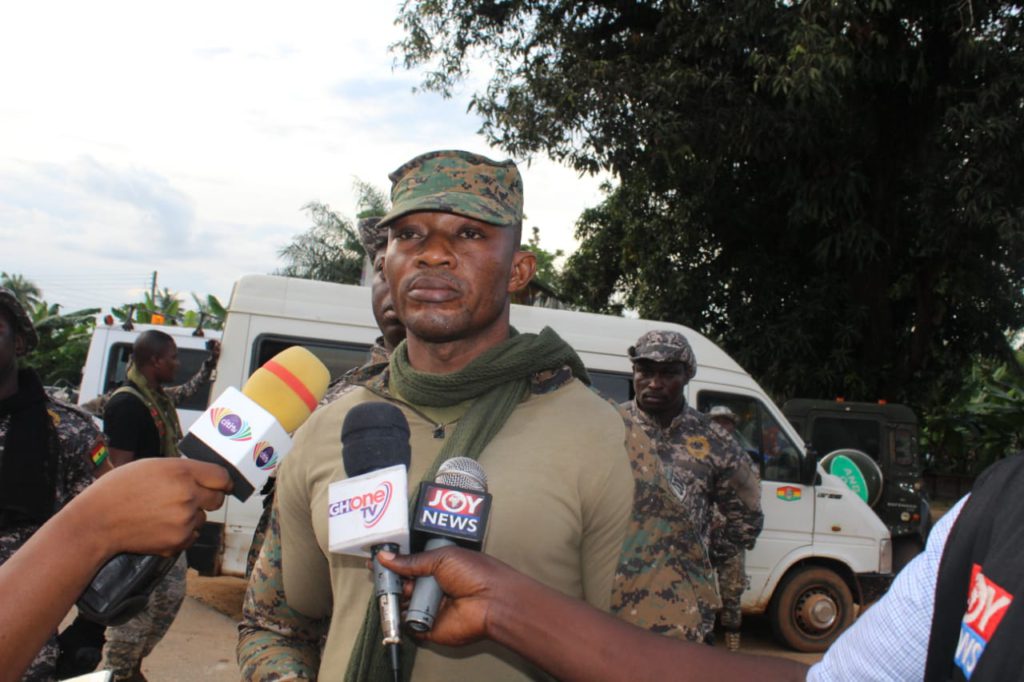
<point>129,643</point>
<point>44,666</point>
<point>732,581</point>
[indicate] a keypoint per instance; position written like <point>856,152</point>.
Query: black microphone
<point>453,510</point>
<point>375,436</point>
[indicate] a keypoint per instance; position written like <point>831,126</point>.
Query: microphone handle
<point>388,589</point>
<point>426,595</point>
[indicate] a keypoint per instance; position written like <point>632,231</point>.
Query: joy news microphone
<point>246,432</point>
<point>453,510</point>
<point>368,511</point>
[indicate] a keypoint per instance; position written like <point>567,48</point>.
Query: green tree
<point>63,343</point>
<point>27,293</point>
<point>547,270</point>
<point>330,250</point>
<point>831,190</point>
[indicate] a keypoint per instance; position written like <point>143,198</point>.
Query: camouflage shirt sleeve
<point>179,394</point>
<point>738,497</point>
<point>275,642</point>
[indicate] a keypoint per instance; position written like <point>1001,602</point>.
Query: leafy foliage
<point>547,268</point>
<point>63,343</point>
<point>984,423</point>
<point>830,190</point>
<point>27,293</point>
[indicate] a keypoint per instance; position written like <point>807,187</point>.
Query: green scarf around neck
<point>161,407</point>
<point>496,381</point>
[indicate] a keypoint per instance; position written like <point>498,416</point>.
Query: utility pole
<point>152,289</point>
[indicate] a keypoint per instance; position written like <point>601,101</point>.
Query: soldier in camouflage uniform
<point>141,421</point>
<point>49,452</point>
<point>375,241</point>
<point>705,466</point>
<point>730,567</point>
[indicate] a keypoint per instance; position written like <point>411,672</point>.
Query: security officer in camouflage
<point>731,568</point>
<point>705,466</point>
<point>49,452</point>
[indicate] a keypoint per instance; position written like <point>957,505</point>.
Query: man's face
<point>167,365</point>
<point>451,276</point>
<point>659,387</point>
<point>383,309</point>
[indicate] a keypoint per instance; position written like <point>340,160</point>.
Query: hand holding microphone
<point>453,510</point>
<point>246,433</point>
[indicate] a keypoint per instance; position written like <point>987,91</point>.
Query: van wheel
<point>812,606</point>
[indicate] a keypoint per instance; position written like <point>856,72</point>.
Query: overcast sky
<point>185,137</point>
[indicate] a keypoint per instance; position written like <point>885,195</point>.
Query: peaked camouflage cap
<point>662,345</point>
<point>373,235</point>
<point>22,322</point>
<point>463,183</point>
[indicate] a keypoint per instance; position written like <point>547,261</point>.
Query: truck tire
<point>811,608</point>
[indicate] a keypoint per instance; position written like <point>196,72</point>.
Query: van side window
<point>338,357</point>
<point>191,360</point>
<point>613,385</point>
<point>759,435</point>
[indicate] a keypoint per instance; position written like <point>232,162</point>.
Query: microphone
<point>453,510</point>
<point>367,512</point>
<point>246,432</point>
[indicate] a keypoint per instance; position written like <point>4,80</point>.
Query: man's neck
<point>150,376</point>
<point>451,356</point>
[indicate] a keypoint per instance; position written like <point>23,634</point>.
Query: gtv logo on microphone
<point>371,505</point>
<point>452,512</point>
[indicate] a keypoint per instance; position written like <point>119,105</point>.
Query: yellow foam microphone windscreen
<point>289,386</point>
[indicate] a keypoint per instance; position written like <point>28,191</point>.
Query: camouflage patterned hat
<point>458,182</point>
<point>665,346</point>
<point>723,412</point>
<point>373,235</point>
<point>22,323</point>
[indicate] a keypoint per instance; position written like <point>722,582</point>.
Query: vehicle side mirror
<point>809,467</point>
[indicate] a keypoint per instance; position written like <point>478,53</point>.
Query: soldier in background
<point>49,452</point>
<point>730,566</point>
<point>705,466</point>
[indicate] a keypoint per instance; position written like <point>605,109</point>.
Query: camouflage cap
<point>665,346</point>
<point>452,181</point>
<point>373,235</point>
<point>22,322</point>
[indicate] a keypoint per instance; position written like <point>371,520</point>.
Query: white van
<point>106,365</point>
<point>822,548</point>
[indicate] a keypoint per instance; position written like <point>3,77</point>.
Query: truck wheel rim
<point>816,612</point>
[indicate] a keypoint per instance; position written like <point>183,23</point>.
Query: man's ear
<point>19,345</point>
<point>524,266</point>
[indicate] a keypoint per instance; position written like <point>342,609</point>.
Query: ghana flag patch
<point>99,453</point>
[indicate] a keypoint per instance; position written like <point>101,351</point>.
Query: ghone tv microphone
<point>368,511</point>
<point>246,432</point>
<point>453,510</point>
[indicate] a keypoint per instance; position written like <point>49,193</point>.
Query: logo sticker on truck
<point>788,493</point>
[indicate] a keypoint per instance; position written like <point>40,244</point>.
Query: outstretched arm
<point>154,506</point>
<point>566,637</point>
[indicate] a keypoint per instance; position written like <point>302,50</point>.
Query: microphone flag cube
<point>240,436</point>
<point>368,510</point>
<point>455,513</point>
